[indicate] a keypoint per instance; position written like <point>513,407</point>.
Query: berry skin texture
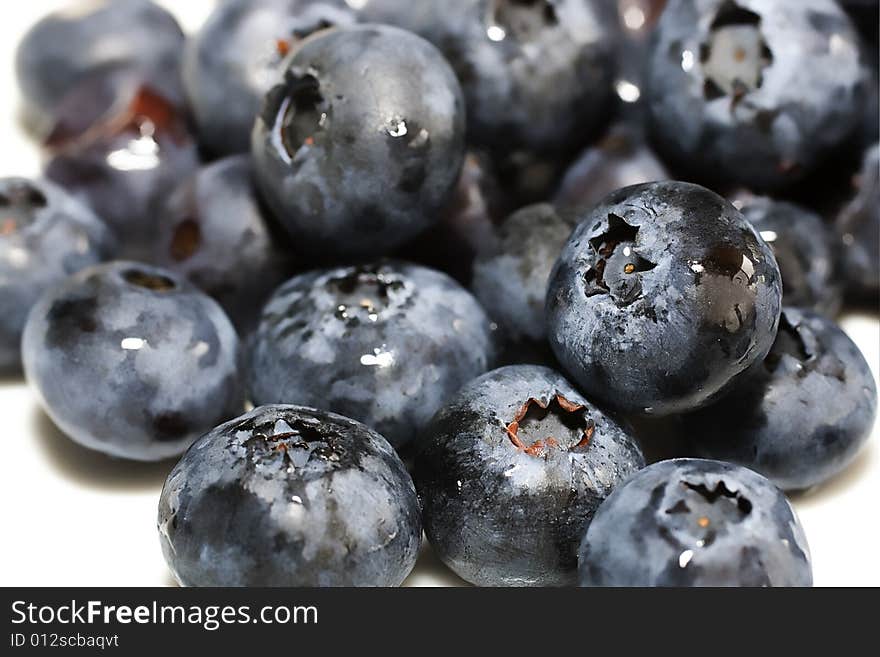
<point>132,360</point>
<point>662,296</point>
<point>290,496</point>
<point>213,231</point>
<point>754,92</point>
<point>802,415</point>
<point>230,64</point>
<point>803,246</point>
<point>385,344</point>
<point>104,38</point>
<point>511,470</point>
<point>355,160</point>
<point>45,236</point>
<point>511,280</point>
<point>689,523</point>
<point>858,227</point>
<point>537,75</point>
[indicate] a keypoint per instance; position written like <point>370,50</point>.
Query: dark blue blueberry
<point>525,177</point>
<point>385,344</point>
<point>45,235</point>
<point>213,231</point>
<point>359,145</point>
<point>537,74</point>
<point>103,38</point>
<point>132,361</point>
<point>802,415</point>
<point>742,92</point>
<point>510,280</point>
<point>233,61</point>
<point>662,296</point>
<point>511,471</point>
<point>124,155</point>
<point>467,225</point>
<point>858,227</point>
<point>290,496</point>
<point>690,522</point>
<point>619,160</point>
<point>804,249</point>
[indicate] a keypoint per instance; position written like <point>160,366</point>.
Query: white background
<point>73,517</point>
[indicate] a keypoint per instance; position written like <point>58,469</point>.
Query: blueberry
<point>746,92</point>
<point>290,496</point>
<point>510,281</point>
<point>230,64</point>
<point>662,296</point>
<point>804,250</point>
<point>213,231</point>
<point>360,144</point>
<point>385,344</point>
<point>858,228</point>
<point>802,415</point>
<point>45,235</point>
<point>690,522</point>
<point>511,471</point>
<point>527,177</point>
<point>467,225</point>
<point>537,74</point>
<point>132,361</point>
<point>618,160</point>
<point>123,156</point>
<point>97,39</point>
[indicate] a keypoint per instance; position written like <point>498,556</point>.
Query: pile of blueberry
<point>466,262</point>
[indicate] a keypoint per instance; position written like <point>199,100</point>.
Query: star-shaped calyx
<point>791,346</point>
<point>19,204</point>
<point>616,265</point>
<point>521,20</point>
<point>552,424</point>
<point>735,55</point>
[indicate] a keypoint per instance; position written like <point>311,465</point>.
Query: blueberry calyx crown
<point>363,293</point>
<point>708,517</point>
<point>720,492</point>
<point>293,442</point>
<point>790,342</point>
<point>735,56</point>
<point>297,110</point>
<point>146,115</point>
<point>18,205</point>
<point>149,280</point>
<point>554,424</point>
<point>186,240</point>
<point>523,20</point>
<point>616,264</point>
